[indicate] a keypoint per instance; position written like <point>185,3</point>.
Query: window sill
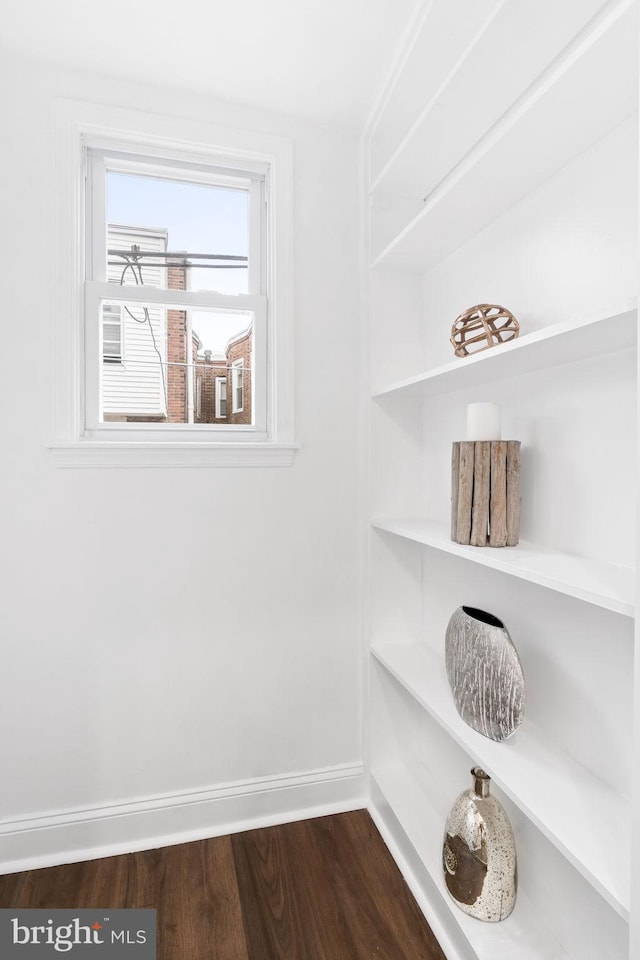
<point>92,453</point>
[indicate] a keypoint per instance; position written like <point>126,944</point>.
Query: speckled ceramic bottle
<point>479,853</point>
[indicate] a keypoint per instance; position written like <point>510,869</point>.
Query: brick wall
<point>206,371</point>
<point>176,349</point>
<point>240,349</point>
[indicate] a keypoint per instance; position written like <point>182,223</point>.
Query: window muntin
<point>146,290</point>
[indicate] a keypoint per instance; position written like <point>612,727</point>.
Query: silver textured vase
<point>479,853</point>
<point>485,673</point>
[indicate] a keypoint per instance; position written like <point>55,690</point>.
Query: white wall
<point>168,631</point>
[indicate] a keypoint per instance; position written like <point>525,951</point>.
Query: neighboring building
<point>211,378</point>
<point>153,371</point>
<point>239,367</point>
<point>134,350</point>
<point>178,394</point>
<point>223,388</point>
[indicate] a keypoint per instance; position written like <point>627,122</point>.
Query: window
<point>237,386</point>
<point>195,282</point>
<point>221,398</point>
<point>182,237</point>
<point>111,333</point>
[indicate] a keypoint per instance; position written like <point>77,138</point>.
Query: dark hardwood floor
<point>323,889</point>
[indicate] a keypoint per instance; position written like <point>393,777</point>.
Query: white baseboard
<point>73,835</point>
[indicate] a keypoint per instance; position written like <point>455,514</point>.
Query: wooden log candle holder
<point>485,492</point>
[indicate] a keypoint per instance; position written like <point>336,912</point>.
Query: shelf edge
<point>486,556</point>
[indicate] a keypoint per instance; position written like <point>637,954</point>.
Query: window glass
<point>176,297</point>
<point>150,217</point>
<point>176,365</point>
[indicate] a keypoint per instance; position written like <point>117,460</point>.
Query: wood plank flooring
<point>323,889</point>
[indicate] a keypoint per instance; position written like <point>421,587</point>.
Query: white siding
<point>135,386</point>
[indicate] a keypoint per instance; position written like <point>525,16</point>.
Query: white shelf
<point>581,815</point>
<point>577,339</point>
<point>584,94</point>
<point>604,584</point>
<point>521,936</point>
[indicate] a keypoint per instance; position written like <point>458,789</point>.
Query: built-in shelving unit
<point>502,157</point>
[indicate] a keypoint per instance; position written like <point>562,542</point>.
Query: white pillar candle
<point>483,421</point>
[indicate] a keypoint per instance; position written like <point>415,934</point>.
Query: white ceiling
<point>325,60</point>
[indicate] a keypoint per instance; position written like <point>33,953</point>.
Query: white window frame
<point>98,162</point>
<point>80,440</point>
<point>237,373</point>
<point>219,382</point>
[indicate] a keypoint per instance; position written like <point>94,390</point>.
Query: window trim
<point>79,124</point>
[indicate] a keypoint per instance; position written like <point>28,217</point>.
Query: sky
<point>199,219</point>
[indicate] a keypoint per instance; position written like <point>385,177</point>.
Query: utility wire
<point>137,253</point>
<point>191,266</point>
<point>136,270</point>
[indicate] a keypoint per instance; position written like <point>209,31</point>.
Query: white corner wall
<point>181,647</point>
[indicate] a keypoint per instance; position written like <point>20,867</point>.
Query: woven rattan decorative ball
<point>483,326</point>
